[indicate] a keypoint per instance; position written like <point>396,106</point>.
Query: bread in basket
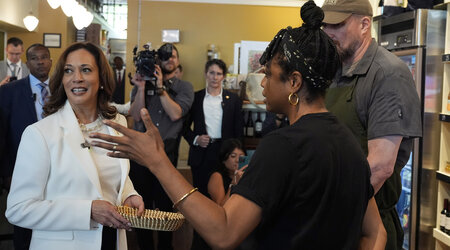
<point>152,219</point>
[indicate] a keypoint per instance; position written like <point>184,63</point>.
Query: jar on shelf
<point>448,102</point>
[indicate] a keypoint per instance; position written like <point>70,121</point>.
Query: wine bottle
<point>443,215</point>
<point>447,221</point>
<point>250,126</point>
<point>258,126</point>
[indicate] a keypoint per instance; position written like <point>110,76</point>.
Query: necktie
<point>13,71</point>
<point>44,92</point>
<point>119,79</point>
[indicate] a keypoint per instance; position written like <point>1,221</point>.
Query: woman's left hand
<point>135,201</point>
<point>106,214</point>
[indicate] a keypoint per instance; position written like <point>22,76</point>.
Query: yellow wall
<point>50,21</point>
<point>203,24</point>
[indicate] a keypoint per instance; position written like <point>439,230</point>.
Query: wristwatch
<point>160,91</point>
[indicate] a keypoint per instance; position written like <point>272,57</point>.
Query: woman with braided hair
<point>307,185</point>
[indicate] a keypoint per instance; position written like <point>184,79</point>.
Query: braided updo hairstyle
<point>319,59</point>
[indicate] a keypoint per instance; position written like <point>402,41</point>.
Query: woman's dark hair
<point>221,64</point>
<point>58,95</point>
<point>317,59</point>
<point>228,146</point>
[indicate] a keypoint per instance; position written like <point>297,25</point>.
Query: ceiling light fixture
<point>30,22</point>
<point>54,3</point>
<point>68,7</point>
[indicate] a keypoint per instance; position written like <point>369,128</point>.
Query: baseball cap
<point>336,11</point>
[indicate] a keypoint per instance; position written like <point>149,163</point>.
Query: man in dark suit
<point>21,104</point>
<point>119,74</point>
<point>217,115</point>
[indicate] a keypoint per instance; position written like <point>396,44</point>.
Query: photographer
<point>167,99</point>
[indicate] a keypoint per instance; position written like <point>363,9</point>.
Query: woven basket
<point>152,219</point>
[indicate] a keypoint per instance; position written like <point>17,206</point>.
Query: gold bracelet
<point>184,197</point>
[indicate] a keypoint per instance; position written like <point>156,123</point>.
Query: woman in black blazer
<point>217,116</point>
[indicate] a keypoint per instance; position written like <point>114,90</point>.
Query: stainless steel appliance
<point>418,38</point>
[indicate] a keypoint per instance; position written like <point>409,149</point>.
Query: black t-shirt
<point>312,182</point>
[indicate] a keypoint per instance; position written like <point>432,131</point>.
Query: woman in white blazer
<point>62,188</point>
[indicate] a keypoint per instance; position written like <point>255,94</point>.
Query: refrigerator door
<point>417,204</point>
<point>407,208</point>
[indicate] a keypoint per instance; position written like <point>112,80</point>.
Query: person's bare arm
<point>139,99</point>
<point>222,227</point>
<point>373,233</point>
<point>216,189</point>
<point>172,109</point>
<point>382,156</point>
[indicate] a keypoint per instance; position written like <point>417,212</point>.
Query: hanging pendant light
<point>88,18</point>
<point>78,17</point>
<point>30,22</point>
<point>82,17</point>
<point>54,3</point>
<point>68,6</point>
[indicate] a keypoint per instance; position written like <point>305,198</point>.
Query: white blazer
<point>54,183</point>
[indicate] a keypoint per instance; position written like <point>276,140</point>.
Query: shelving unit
<point>441,236</point>
<point>442,239</point>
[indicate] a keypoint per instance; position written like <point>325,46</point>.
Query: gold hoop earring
<point>293,103</point>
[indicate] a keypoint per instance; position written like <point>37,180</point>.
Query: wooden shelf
<point>251,142</point>
<point>443,176</point>
<point>441,236</point>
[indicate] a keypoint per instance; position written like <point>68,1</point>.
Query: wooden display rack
<point>443,177</point>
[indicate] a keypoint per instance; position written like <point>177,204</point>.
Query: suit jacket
<point>17,111</point>
<point>54,183</point>
<point>232,122</point>
<point>119,91</point>
<point>4,70</point>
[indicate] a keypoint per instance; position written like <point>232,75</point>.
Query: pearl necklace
<point>88,129</point>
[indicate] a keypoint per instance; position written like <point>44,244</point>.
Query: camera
<point>145,60</point>
<point>13,78</point>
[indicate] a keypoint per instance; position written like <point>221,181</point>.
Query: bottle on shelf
<point>443,215</point>
<point>250,126</point>
<point>447,221</point>
<point>448,102</point>
<point>447,167</point>
<point>258,126</point>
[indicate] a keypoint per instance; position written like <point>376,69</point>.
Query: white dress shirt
<point>121,74</point>
<point>18,68</point>
<point>212,108</point>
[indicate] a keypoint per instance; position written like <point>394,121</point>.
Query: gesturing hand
<point>146,148</point>
<point>106,214</point>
